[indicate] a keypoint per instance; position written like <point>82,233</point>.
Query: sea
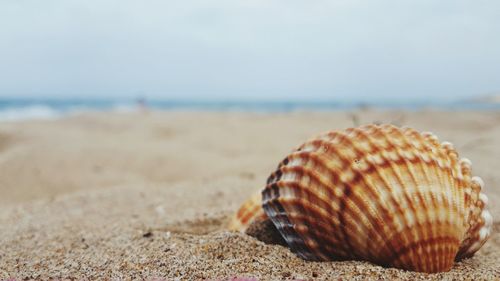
<point>14,109</point>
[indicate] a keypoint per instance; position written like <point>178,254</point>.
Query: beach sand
<point>148,195</point>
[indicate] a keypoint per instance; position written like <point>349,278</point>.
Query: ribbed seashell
<point>388,195</point>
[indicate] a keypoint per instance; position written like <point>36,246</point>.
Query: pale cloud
<point>242,49</point>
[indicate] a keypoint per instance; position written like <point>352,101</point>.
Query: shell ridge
<point>274,211</point>
<point>340,137</point>
<point>372,143</point>
<point>480,227</point>
<point>396,217</point>
<point>436,152</point>
<point>397,176</point>
<point>458,194</point>
<point>323,231</point>
<point>372,218</point>
<point>277,212</point>
<point>314,211</point>
<point>428,232</point>
<point>324,143</point>
<point>470,189</point>
<point>416,227</point>
<point>376,247</point>
<point>432,172</point>
<point>350,191</point>
<point>412,174</point>
<point>472,197</point>
<point>312,175</point>
<point>461,198</point>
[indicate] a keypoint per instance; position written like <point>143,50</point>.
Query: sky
<point>226,49</point>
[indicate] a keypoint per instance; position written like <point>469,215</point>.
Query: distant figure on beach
<point>142,105</point>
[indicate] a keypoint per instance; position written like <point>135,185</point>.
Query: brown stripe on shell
<point>315,232</point>
<point>276,212</point>
<point>430,262</point>
<point>297,170</point>
<point>353,182</point>
<point>381,173</point>
<point>410,176</point>
<point>374,221</point>
<point>423,177</point>
<point>318,198</point>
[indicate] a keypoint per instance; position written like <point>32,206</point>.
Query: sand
<point>128,196</point>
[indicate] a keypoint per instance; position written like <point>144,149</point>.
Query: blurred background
<point>59,57</point>
<point>97,94</point>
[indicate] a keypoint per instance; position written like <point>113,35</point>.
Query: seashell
<point>391,196</point>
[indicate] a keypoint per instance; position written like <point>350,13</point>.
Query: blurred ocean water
<point>12,109</point>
